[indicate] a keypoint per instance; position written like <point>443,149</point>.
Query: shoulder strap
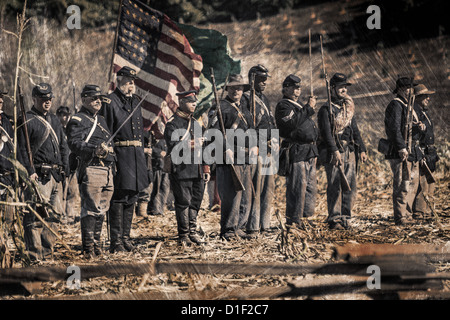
<point>92,130</point>
<point>240,115</point>
<point>405,105</point>
<point>293,102</point>
<point>49,127</point>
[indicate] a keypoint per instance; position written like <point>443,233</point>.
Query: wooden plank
<point>358,284</point>
<point>241,294</point>
<point>365,252</point>
<point>389,267</point>
<point>117,269</point>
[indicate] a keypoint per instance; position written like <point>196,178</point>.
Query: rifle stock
<point>428,173</point>
<point>406,172</point>
<point>344,181</point>
<point>426,168</point>
<point>311,91</point>
<point>42,210</point>
<point>252,98</point>
<point>237,183</point>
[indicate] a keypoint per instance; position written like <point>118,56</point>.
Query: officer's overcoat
<point>131,162</point>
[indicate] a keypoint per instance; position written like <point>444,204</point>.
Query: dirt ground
<point>372,223</point>
<point>279,42</point>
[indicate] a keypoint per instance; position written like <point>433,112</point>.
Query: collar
<point>122,96</point>
<point>232,101</point>
<point>89,113</point>
<point>287,98</point>
<point>339,102</point>
<point>403,99</point>
<point>40,113</point>
<point>183,114</point>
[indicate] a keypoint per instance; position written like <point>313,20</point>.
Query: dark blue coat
<point>6,166</point>
<point>131,162</point>
<point>395,121</point>
<point>46,148</point>
<point>183,170</point>
<point>297,128</point>
<point>350,136</point>
<point>78,129</point>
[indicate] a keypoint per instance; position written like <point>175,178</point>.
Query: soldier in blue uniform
<point>188,178</point>
<point>299,133</point>
<point>236,115</point>
<point>132,175</point>
<point>51,164</point>
<point>344,148</point>
<point>159,196</point>
<point>403,190</point>
<point>87,134</point>
<point>6,149</point>
<point>426,144</point>
<point>263,179</point>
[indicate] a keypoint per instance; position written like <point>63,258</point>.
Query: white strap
<point>92,130</point>
<point>413,111</point>
<point>49,127</point>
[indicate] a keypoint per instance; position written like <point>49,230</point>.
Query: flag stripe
<point>152,44</point>
<point>161,83</point>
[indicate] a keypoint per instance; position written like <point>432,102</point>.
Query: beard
<point>128,90</point>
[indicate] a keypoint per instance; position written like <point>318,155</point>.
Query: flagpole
<point>115,43</point>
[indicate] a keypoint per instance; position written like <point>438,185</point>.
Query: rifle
<point>74,100</point>
<point>310,66</point>
<point>426,168</point>
<point>344,182</point>
<point>407,133</point>
<point>238,185</point>
<point>111,138</point>
<point>42,210</point>
<point>221,98</point>
<point>252,98</point>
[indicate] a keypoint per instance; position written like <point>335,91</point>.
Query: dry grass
<point>84,57</point>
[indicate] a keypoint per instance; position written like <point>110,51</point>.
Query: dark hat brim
<point>287,85</point>
<point>398,87</point>
<point>46,96</point>
<point>348,84</point>
<point>236,84</point>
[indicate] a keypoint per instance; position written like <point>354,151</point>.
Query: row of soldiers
<point>109,155</point>
<point>335,142</point>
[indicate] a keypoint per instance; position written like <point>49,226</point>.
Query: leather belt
<point>128,143</point>
<point>96,162</point>
<point>48,165</point>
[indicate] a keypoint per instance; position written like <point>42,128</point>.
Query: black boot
<point>128,211</point>
<point>193,234</point>
<point>115,227</point>
<point>87,236</point>
<point>97,235</point>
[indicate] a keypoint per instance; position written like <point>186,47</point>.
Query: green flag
<point>212,46</point>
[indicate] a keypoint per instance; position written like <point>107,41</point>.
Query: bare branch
<point>33,74</point>
<point>10,32</point>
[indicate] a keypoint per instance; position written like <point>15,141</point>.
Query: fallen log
<point>240,294</point>
<point>367,252</point>
<point>389,267</point>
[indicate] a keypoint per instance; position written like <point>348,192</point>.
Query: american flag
<point>152,44</point>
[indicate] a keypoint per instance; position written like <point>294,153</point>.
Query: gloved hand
<point>101,151</point>
<point>403,154</point>
<point>336,158</point>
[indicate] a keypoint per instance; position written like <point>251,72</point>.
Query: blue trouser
<point>232,210</point>
<point>188,194</point>
<point>301,190</point>
<point>340,203</point>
